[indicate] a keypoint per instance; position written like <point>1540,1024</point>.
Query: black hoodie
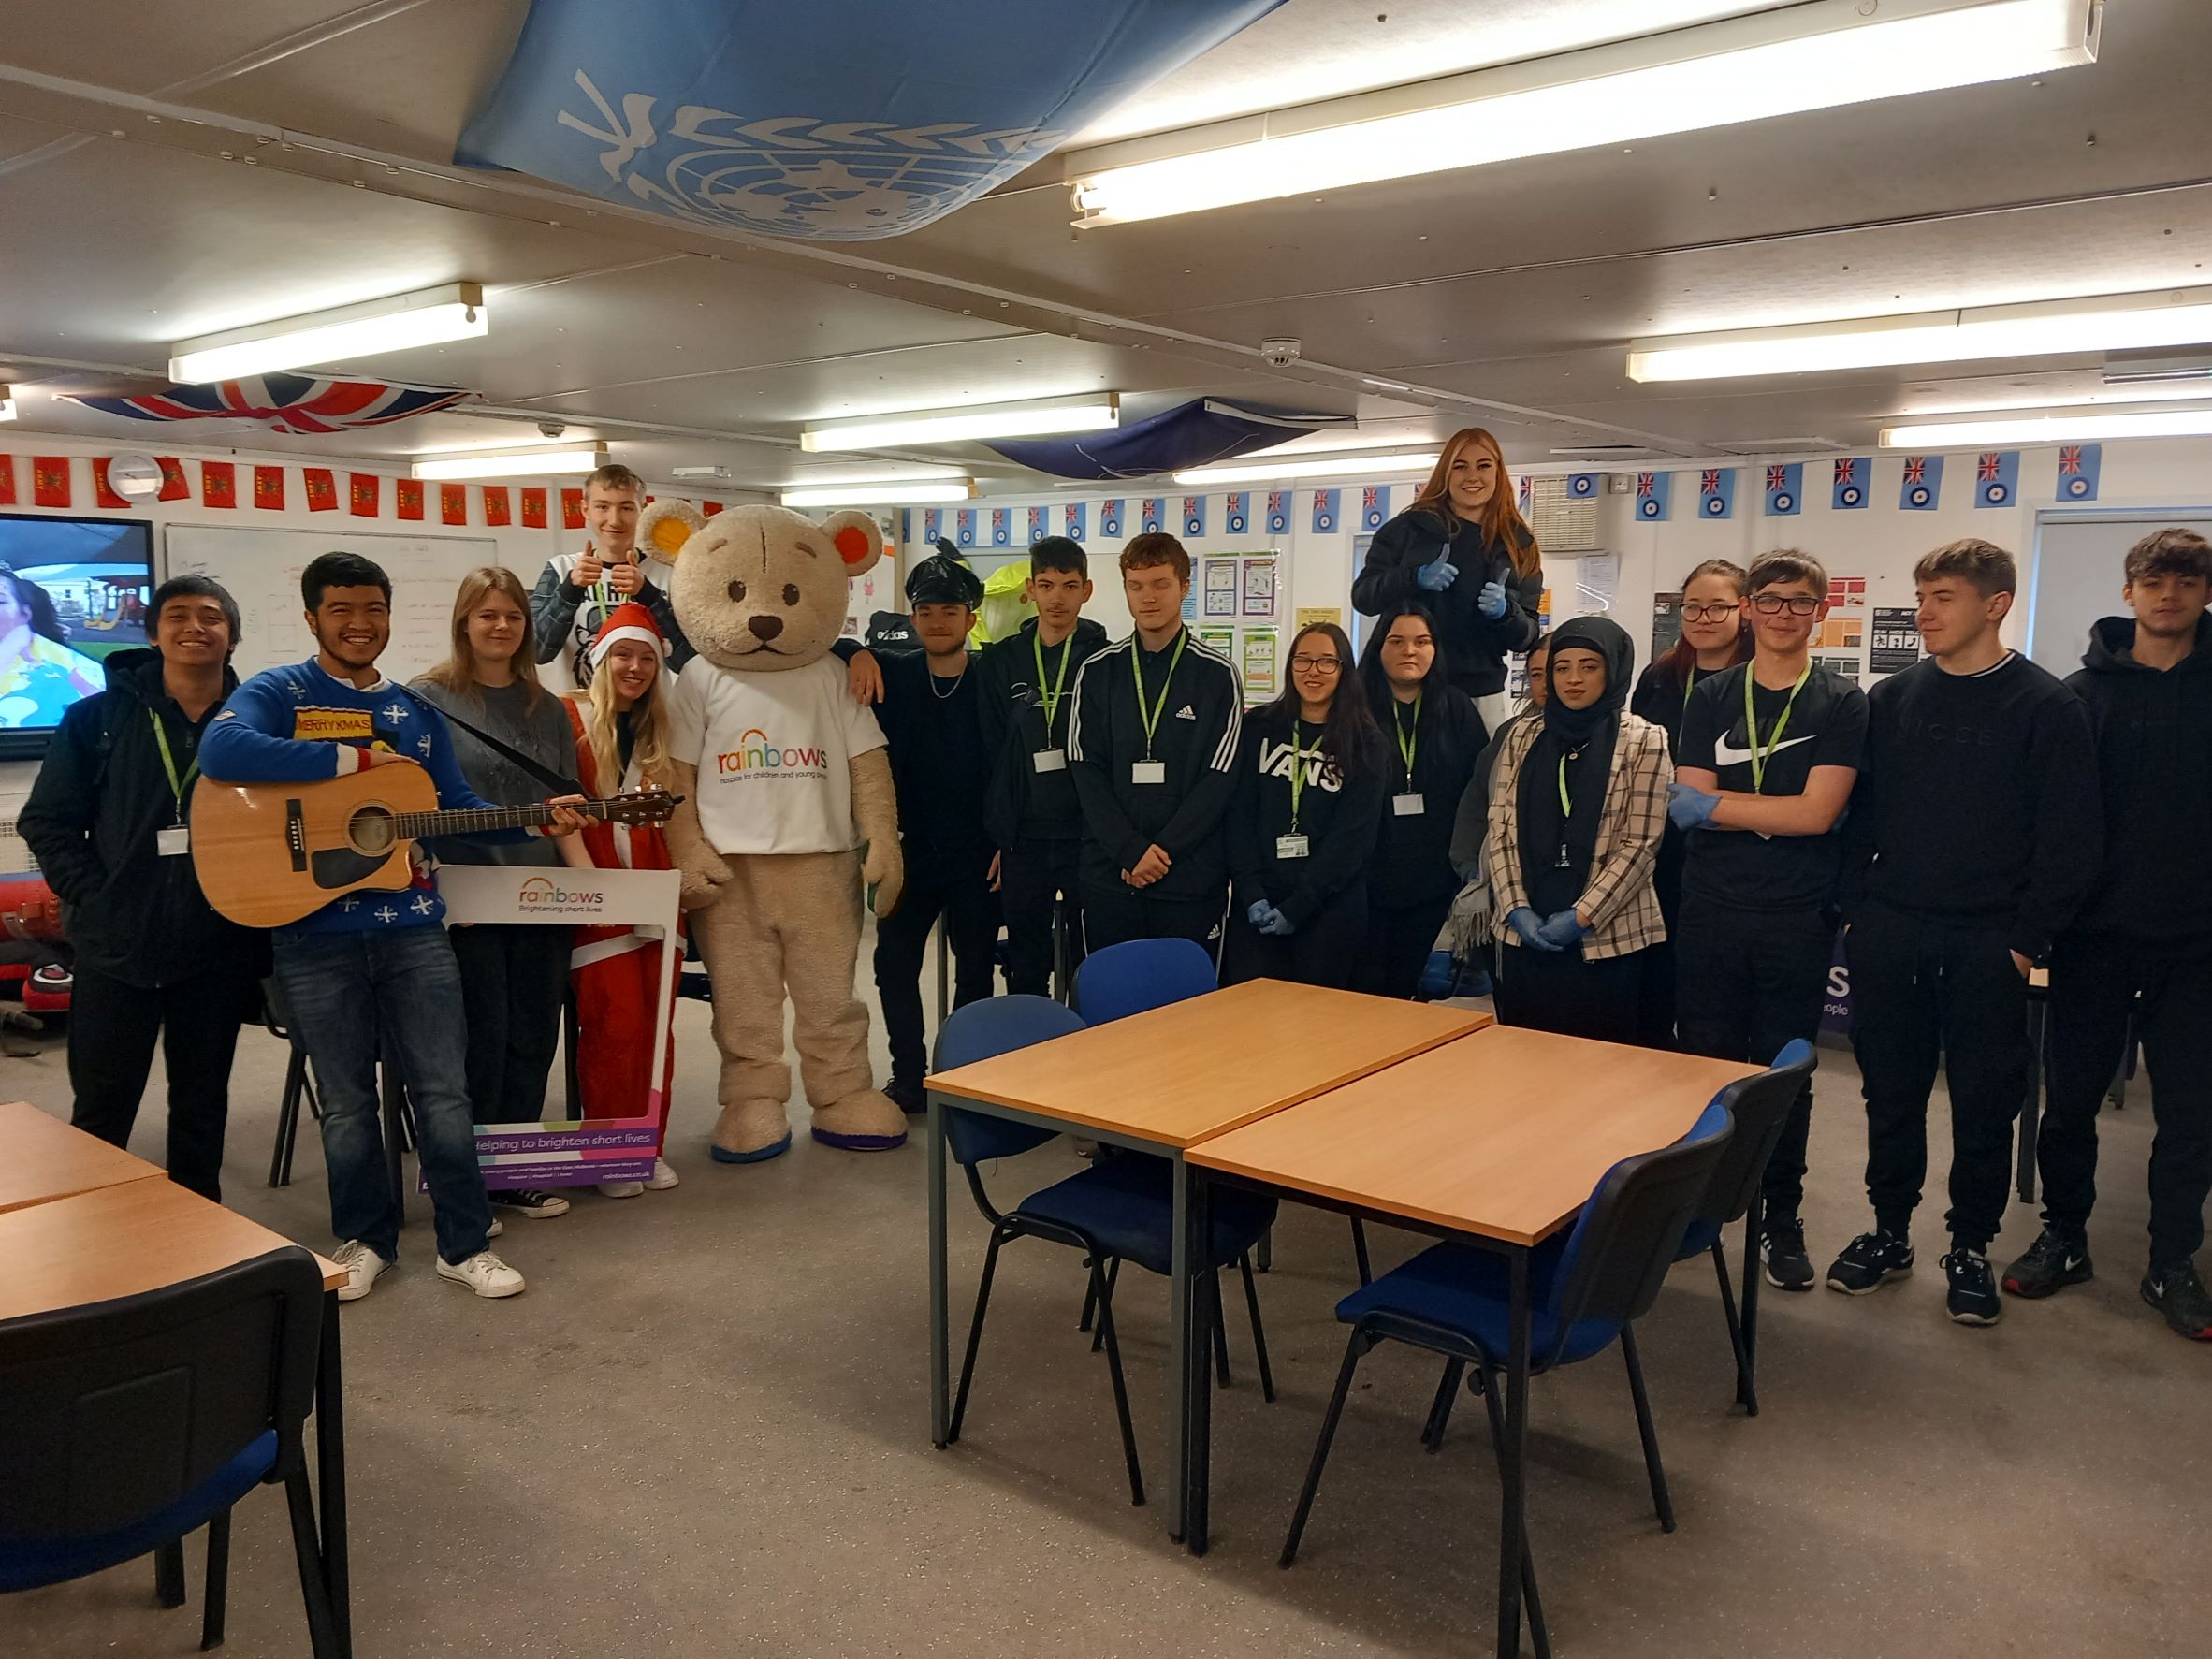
<point>2154,756</point>
<point>1473,647</point>
<point>1024,804</point>
<point>101,797</point>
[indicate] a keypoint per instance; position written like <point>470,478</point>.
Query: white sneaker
<point>483,1273</point>
<point>664,1175</point>
<point>620,1188</point>
<point>497,1227</point>
<point>362,1264</point>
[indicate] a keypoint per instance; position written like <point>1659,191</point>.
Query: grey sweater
<point>543,733</point>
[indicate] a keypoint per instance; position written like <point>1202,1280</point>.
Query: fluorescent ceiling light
<point>533,463</point>
<point>954,426</point>
<point>1334,466</point>
<point>2048,429</point>
<point>1818,55</point>
<point>2105,322</point>
<point>888,493</point>
<point>426,317</point>
<point>2025,402</point>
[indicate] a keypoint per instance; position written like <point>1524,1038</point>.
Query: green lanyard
<point>1566,806</point>
<point>1051,699</point>
<point>1689,683</point>
<point>177,785</point>
<point>1151,716</point>
<point>1298,768</point>
<point>1409,740</point>
<point>1751,726</point>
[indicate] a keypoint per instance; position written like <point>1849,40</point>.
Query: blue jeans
<point>351,993</point>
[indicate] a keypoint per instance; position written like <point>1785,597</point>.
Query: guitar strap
<point>543,774</point>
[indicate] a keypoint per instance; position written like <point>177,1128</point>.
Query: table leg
<point>940,1407</point>
<point>330,1476</point>
<point>1513,1516</point>
<point>1198,1384</point>
<point>1180,1349</point>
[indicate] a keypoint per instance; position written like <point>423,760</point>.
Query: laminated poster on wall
<point>1220,576</point>
<point>1309,616</point>
<point>1190,605</point>
<point>1842,667</point>
<point>1220,639</point>
<point>1259,664</point>
<point>1260,586</point>
<point>1667,623</point>
<point>1896,643</point>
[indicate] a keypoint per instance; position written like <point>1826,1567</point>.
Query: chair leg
<point>210,1624</point>
<point>1121,1389</point>
<point>1267,1377</point>
<point>1090,1304</point>
<point>1353,1349</point>
<point>1112,1279</point>
<point>168,1573</point>
<point>1220,1334</point>
<point>1265,1256</point>
<point>1440,1409</point>
<point>975,1334</point>
<point>322,1630</point>
<point>1359,1251</point>
<point>288,1119</point>
<point>1746,1394</point>
<point>1661,1503</point>
<point>1530,1599</point>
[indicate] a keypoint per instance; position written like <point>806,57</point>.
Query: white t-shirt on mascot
<point>772,753</point>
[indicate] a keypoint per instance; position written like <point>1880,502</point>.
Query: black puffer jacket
<point>1474,647</point>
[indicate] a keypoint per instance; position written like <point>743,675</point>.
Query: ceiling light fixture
<point>531,463</point>
<point>955,425</point>
<point>888,493</point>
<point>428,316</point>
<point>2088,426</point>
<point>1818,55</point>
<point>1319,466</point>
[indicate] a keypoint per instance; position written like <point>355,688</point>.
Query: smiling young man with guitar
<point>373,963</point>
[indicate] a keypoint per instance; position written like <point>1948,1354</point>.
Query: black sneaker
<point>2180,1295</point>
<point>525,1200</point>
<point>1781,1252</point>
<point>1870,1262</point>
<point>907,1096</point>
<point>2056,1259</point>
<point>1973,1299</point>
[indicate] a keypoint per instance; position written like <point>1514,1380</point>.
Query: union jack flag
<point>1990,466</point>
<point>1710,481</point>
<point>288,403</point>
<point>1916,468</point>
<point>1778,477</point>
<point>2069,459</point>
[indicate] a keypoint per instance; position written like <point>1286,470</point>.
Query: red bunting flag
<point>708,509</point>
<point>322,489</point>
<point>7,480</point>
<point>175,486</point>
<point>498,509</point>
<point>534,506</point>
<point>49,480</point>
<point>218,484</point>
<point>104,493</point>
<point>409,490</point>
<point>361,489</point>
<point>453,503</point>
<point>572,509</point>
<point>269,489</point>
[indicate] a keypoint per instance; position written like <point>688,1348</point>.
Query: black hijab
<point>1584,739</point>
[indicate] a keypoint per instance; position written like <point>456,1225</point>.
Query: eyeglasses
<point>1710,613</point>
<point>1773,605</point>
<point>1316,665</point>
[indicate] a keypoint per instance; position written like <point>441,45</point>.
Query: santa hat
<point>628,620</point>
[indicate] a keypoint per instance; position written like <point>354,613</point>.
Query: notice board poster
<point>1896,643</point>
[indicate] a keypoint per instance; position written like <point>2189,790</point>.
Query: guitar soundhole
<point>370,831</point>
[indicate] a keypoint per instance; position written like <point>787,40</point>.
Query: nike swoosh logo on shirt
<point>1726,753</point>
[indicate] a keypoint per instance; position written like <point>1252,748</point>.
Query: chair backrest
<point>1143,974</point>
<point>1761,1107</point>
<point>997,1026</point>
<point>112,1411</point>
<point>1622,1246</point>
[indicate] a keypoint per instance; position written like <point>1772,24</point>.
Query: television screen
<point>72,591</point>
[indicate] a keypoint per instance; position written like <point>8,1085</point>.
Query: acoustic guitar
<point>269,853</point>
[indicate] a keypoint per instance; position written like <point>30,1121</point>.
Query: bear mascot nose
<point>765,628</point>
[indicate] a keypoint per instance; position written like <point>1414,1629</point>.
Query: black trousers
<point>2094,982</point>
<point>956,883</point>
<point>1113,912</point>
<point>1921,990</point>
<point>514,976</point>
<point>1751,981</point>
<point>112,1026</point>
<point>1396,948</point>
<point>1559,990</point>
<point>1658,1016</point>
<point>1031,875</point>
<point>1324,952</point>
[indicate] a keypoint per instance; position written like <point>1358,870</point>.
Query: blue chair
<point>1116,1210</point>
<point>124,1425</point>
<point>1140,975</point>
<point>1586,1288</point>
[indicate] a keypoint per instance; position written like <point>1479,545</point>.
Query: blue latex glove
<point>1437,578</point>
<point>1255,913</point>
<point>1491,601</point>
<point>1562,930</point>
<point>1277,925</point>
<point>1527,924</point>
<point>1689,809</point>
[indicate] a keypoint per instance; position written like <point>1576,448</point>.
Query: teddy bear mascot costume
<point>787,812</point>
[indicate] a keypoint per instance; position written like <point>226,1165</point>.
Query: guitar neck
<point>469,820</point>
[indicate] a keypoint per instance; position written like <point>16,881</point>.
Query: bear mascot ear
<point>664,527</point>
<point>858,539</point>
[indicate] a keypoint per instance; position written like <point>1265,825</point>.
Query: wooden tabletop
<point>41,1157</point>
<point>1502,1133</point>
<point>1195,1068</point>
<point>119,1240</point>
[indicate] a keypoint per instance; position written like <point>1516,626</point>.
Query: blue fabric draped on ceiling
<point>830,120</point>
<point>1188,435</point>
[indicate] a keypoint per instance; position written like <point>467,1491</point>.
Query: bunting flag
<point>499,505</point>
<point>1923,485</point>
<point>534,506</point>
<point>1110,515</point>
<point>706,510</point>
<point>1238,518</point>
<point>1076,521</point>
<point>7,480</point>
<point>1997,479</point>
<point>408,492</point>
<point>1001,527</point>
<point>1375,505</point>
<point>1325,511</point>
<point>453,503</point>
<point>1583,486</point>
<point>269,489</point>
<point>1854,481</point>
<point>1716,492</point>
<point>2079,465</point>
<point>933,524</point>
<point>1155,515</point>
<point>963,528</point>
<point>1037,530</point>
<point>1786,490</point>
<point>104,493</point>
<point>1528,493</point>
<point>288,403</point>
<point>218,484</point>
<point>49,481</point>
<point>175,485</point>
<point>1278,512</point>
<point>1194,514</point>
<point>320,486</point>
<point>572,509</point>
<point>1654,495</point>
<point>362,490</point>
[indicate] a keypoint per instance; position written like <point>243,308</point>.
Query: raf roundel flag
<point>1716,492</point>
<point>1036,525</point>
<point>2079,465</point>
<point>1923,485</point>
<point>963,528</point>
<point>1238,520</point>
<point>1194,514</point>
<point>933,523</point>
<point>1110,515</point>
<point>1278,512</point>
<point>1001,527</point>
<point>1997,479</point>
<point>1153,515</point>
<point>1375,505</point>
<point>1654,493</point>
<point>1854,479</point>
<point>1324,510</point>
<point>1583,486</point>
<point>1786,490</point>
<point>1075,517</point>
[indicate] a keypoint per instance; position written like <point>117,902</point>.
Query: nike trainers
<point>483,1273</point>
<point>1870,1262</point>
<point>1781,1252</point>
<point>2056,1259</point>
<point>2180,1295</point>
<point>362,1266</point>
<point>1973,1299</point>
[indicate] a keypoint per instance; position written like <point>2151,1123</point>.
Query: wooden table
<point>42,1158</point>
<point>1163,1081</point>
<point>135,1236</point>
<point>1497,1138</point>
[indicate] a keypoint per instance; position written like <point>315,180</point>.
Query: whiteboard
<point>2080,559</point>
<point>261,568</point>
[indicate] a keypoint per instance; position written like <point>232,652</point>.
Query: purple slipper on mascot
<point>788,816</point>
